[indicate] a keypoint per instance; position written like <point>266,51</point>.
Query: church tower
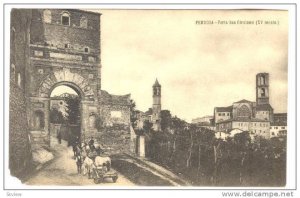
<point>156,107</point>
<point>262,88</point>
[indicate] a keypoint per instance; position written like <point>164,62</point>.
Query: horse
<point>103,161</point>
<point>88,165</point>
<point>79,162</point>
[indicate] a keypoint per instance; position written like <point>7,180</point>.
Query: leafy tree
<point>56,116</point>
<point>166,120</point>
<point>133,113</point>
<point>73,109</point>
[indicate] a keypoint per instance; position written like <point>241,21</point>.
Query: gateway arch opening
<point>65,114</point>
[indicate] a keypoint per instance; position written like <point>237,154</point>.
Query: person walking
<point>59,137</point>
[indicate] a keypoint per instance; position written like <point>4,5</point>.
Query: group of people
<point>89,156</point>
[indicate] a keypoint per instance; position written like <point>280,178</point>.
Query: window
<point>282,127</point>
<point>273,133</point>
<point>227,114</point>
<point>67,45</point>
<point>38,53</point>
<point>13,35</point>
<point>47,16</point>
<point>86,49</point>
<point>219,114</point>
<point>39,120</point>
<point>91,76</point>
<point>13,72</point>
<point>91,59</point>
<point>115,114</point>
<point>262,80</point>
<point>223,114</point>
<point>244,111</point>
<point>276,127</point>
<point>65,19</point>
<point>83,22</point>
<point>263,92</point>
<point>40,71</point>
<point>19,80</point>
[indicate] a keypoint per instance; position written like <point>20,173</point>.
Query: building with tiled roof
<point>255,117</point>
<point>279,125</point>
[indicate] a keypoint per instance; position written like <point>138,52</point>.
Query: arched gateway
<point>40,105</point>
<point>62,51</point>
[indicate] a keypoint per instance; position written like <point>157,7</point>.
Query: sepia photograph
<point>129,98</point>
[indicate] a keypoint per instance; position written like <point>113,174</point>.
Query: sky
<point>198,66</point>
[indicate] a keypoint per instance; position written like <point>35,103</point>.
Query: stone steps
<point>39,139</point>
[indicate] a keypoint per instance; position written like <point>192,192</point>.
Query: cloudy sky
<point>199,66</point>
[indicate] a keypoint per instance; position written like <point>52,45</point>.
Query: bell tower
<point>156,107</point>
<point>262,88</point>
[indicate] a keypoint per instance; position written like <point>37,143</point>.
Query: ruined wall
<point>115,114</point>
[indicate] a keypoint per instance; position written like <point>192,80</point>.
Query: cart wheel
<point>96,180</point>
<point>114,179</point>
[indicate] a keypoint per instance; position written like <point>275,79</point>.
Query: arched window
<point>39,122</point>
<point>47,16</point>
<point>244,111</point>
<point>263,92</point>
<point>92,121</point>
<point>262,80</point>
<point>65,19</point>
<point>13,35</point>
<point>13,72</point>
<point>19,79</point>
<point>83,22</point>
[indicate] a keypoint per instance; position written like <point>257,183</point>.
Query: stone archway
<point>42,101</point>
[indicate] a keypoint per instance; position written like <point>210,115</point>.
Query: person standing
<point>91,143</point>
<point>59,137</point>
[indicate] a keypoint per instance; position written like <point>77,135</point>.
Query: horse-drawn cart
<point>100,173</point>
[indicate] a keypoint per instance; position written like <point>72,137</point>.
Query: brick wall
<point>55,33</point>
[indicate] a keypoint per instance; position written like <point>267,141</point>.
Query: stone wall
<point>19,144</point>
<point>113,140</point>
<point>115,114</point>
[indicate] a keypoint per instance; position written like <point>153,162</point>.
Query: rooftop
<point>243,119</point>
<point>243,101</point>
<point>264,107</point>
<point>156,84</point>
<point>224,109</point>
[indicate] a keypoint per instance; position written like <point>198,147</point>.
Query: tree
<point>166,120</point>
<point>133,113</point>
<point>56,117</point>
<point>73,109</point>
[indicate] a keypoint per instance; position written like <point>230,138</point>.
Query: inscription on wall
<point>65,56</point>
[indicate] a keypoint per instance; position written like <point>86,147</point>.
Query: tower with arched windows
<point>156,107</point>
<point>262,88</point>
